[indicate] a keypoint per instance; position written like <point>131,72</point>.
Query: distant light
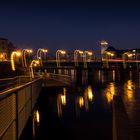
<point>134,51</point>
<point>104,43</point>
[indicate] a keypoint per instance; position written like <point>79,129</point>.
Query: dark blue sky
<point>70,24</point>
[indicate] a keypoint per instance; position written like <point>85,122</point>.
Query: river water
<point>84,110</point>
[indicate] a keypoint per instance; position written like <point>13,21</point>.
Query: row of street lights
<point>24,63</point>
<point>33,63</point>
<point>124,55</point>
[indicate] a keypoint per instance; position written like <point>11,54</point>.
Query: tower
<point>104,46</point>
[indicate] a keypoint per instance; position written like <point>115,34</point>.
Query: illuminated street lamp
<point>85,57</point>
<point>13,54</point>
<point>24,51</point>
<point>107,56</point>
<point>58,52</point>
<point>33,63</point>
<point>124,60</point>
<point>39,54</point>
<point>76,52</point>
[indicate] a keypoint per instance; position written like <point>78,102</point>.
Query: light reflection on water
<point>90,104</point>
<point>80,100</point>
<point>129,89</point>
<point>35,122</point>
<point>61,100</point>
<point>110,91</point>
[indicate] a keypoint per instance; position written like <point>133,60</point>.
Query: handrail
<point>5,93</point>
<point>15,81</point>
<point>17,103</point>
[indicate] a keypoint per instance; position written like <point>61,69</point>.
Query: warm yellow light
<point>112,54</point>
<point>129,90</point>
<point>90,93</point>
<point>109,53</point>
<point>33,63</point>
<point>63,99</point>
<point>103,42</point>
<point>81,101</point>
<point>1,56</point>
<point>90,53</point>
<point>130,55</point>
<point>18,53</point>
<point>37,62</point>
<point>110,92</point>
<point>29,51</point>
<point>45,50</point>
<point>63,52</point>
<point>37,116</point>
<point>80,52</point>
<point>12,59</point>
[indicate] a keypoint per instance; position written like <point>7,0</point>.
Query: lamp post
<point>24,51</point>
<point>85,57</point>
<point>76,56</point>
<point>123,57</point>
<point>39,54</point>
<point>58,52</point>
<point>108,55</point>
<point>13,54</point>
<point>34,62</point>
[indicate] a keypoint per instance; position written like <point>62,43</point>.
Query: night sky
<point>70,24</point>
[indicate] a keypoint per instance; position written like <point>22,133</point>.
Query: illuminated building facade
<point>6,47</point>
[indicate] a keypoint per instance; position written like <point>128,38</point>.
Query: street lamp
<point>107,56</point>
<point>13,54</point>
<point>33,63</point>
<point>123,57</point>
<point>24,51</point>
<point>76,56</point>
<point>85,57</point>
<point>58,57</point>
<point>39,54</point>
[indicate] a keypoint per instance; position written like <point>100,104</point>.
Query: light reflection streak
<point>35,121</point>
<point>129,88</point>
<point>130,74</point>
<point>99,73</point>
<point>113,75</point>
<point>110,91</point>
<point>88,96</point>
<point>61,100</point>
<point>81,101</point>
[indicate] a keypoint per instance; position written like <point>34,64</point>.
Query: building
<point>6,47</point>
<point>128,53</point>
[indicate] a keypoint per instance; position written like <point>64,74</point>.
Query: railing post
<point>17,132</point>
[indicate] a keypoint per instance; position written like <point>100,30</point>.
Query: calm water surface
<point>83,111</point>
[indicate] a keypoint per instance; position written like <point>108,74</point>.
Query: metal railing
<point>8,83</point>
<point>16,105</point>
